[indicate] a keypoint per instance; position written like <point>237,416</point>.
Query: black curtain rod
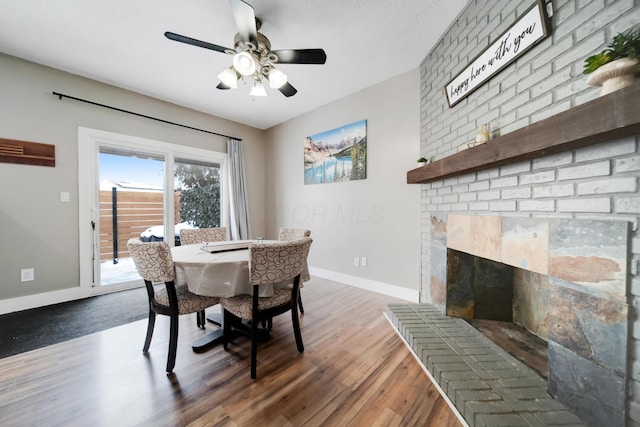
<point>62,95</point>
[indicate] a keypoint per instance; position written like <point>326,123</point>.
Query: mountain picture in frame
<point>336,155</point>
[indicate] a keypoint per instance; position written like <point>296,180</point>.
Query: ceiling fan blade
<point>245,21</point>
<point>198,43</point>
<point>288,90</point>
<point>300,56</point>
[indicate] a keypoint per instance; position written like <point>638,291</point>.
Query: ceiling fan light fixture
<point>244,63</point>
<point>258,89</point>
<point>229,78</point>
<point>277,78</point>
<point>252,56</point>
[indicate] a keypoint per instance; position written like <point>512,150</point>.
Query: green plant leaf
<point>593,62</point>
<point>623,45</point>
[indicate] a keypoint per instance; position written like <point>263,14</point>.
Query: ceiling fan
<point>252,54</point>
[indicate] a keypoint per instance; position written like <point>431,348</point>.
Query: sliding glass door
<point>197,187</point>
<point>131,203</point>
<point>136,188</point>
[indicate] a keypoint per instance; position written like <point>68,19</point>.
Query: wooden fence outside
<point>136,211</point>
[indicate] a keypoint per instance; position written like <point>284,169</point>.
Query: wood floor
<point>355,371</point>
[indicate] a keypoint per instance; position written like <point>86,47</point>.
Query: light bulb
<point>229,78</point>
<point>244,63</point>
<point>277,78</point>
<point>258,89</point>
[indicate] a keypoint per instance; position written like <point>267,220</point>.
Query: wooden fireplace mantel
<point>607,118</point>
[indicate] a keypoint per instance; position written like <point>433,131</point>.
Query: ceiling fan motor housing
<point>261,52</point>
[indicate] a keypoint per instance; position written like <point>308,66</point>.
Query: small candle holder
<point>483,134</point>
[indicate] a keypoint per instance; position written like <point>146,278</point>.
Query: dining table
<point>218,269</point>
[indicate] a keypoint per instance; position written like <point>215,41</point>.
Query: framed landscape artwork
<point>336,155</point>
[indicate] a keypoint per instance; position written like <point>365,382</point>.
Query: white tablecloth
<point>220,274</point>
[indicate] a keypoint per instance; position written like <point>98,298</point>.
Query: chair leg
<point>226,328</point>
<point>300,304</point>
<point>296,329</point>
<point>173,343</point>
<point>201,319</point>
<point>267,323</point>
<point>150,325</point>
<point>254,348</point>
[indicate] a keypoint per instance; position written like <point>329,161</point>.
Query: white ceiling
<point>121,42</point>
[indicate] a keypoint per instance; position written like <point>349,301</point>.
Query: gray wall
<point>36,229</point>
<point>378,217</point>
<point>597,182</point>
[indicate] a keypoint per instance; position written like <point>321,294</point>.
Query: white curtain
<point>239,226</point>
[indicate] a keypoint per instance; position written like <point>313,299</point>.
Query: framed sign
<point>528,31</point>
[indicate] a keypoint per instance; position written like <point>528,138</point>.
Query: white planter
<point>614,75</point>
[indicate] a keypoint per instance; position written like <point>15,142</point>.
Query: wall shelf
<point>27,153</point>
<point>607,118</point>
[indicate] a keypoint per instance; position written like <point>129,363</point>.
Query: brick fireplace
<point>559,156</point>
<point>585,262</point>
<point>549,198</point>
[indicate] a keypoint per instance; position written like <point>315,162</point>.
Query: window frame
<point>89,143</point>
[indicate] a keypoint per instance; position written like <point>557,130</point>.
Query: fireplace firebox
<point>584,264</point>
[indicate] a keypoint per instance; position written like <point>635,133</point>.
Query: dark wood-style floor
<point>355,371</point>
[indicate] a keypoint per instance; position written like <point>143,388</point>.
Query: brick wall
<point>596,182</point>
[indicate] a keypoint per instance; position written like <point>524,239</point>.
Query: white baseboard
<point>39,300</point>
<point>410,295</point>
<point>64,295</point>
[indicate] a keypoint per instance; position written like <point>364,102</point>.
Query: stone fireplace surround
<point>586,264</point>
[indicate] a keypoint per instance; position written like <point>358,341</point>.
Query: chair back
<point>293,233</point>
<point>153,260</point>
<point>190,236</point>
<point>277,262</point>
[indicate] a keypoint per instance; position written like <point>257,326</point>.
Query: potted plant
<point>422,161</point>
<point>617,65</point>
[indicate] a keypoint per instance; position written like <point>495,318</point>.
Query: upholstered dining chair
<point>155,265</point>
<point>269,264</point>
<point>190,236</point>
<point>287,233</point>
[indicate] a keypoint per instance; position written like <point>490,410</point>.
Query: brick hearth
<point>485,384</point>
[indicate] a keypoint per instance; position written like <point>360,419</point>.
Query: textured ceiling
<point>121,42</point>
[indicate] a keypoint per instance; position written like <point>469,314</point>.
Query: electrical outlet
<point>26,275</point>
<point>363,261</point>
<point>356,262</point>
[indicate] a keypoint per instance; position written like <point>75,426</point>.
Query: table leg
<point>205,342</point>
<point>244,327</point>
<point>215,318</point>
